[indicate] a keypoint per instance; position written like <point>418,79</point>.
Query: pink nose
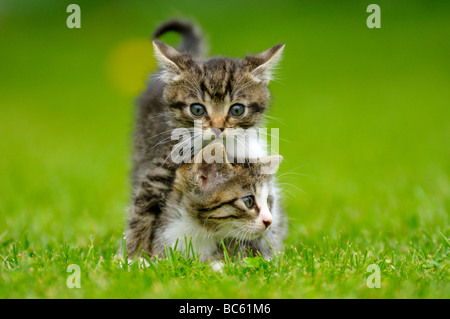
<point>267,222</point>
<point>217,130</point>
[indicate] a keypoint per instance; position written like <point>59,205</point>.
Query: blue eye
<point>198,109</point>
<point>249,201</point>
<point>237,110</point>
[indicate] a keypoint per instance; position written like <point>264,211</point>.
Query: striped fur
<point>206,216</point>
<point>185,78</point>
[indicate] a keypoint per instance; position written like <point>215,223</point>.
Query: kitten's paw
<point>217,266</point>
<point>143,263</point>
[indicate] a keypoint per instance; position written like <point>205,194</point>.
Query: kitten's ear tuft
<point>270,164</point>
<point>261,66</point>
<point>168,59</point>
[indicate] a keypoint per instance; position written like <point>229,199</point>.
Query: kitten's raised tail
<point>192,39</point>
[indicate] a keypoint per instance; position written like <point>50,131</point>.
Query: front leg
<point>147,205</point>
<point>139,233</point>
<point>217,265</point>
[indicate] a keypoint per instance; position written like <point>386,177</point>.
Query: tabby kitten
<point>220,92</point>
<point>209,203</point>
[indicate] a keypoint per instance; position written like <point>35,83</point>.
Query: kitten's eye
<point>249,201</point>
<point>237,110</point>
<point>198,110</point>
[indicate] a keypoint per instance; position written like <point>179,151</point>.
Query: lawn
<point>363,114</point>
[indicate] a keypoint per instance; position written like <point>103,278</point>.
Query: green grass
<point>363,114</point>
<point>335,267</point>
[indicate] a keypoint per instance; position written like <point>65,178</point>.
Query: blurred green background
<point>364,114</point>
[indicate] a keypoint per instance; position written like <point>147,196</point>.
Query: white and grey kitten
<point>222,93</point>
<point>229,202</point>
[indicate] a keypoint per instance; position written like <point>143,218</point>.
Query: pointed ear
<point>262,65</point>
<point>211,175</point>
<point>211,166</point>
<point>270,164</point>
<point>169,60</point>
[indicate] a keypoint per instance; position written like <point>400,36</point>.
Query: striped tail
<point>192,40</point>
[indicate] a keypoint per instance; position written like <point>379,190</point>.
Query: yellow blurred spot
<point>129,65</point>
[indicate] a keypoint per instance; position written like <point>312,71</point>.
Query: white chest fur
<point>182,231</point>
